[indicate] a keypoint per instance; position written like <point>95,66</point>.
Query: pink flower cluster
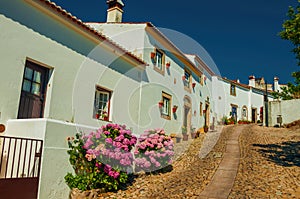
<point>153,151</point>
<point>110,146</point>
<point>111,172</point>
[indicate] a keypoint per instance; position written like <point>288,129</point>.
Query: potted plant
<point>205,127</point>
<point>105,116</point>
<point>152,55</point>
<point>97,115</point>
<point>184,133</point>
<point>168,64</point>
<point>193,132</point>
<point>193,84</point>
<point>160,104</point>
<point>178,139</point>
<point>174,109</point>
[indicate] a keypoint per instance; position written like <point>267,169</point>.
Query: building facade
<point>60,76</point>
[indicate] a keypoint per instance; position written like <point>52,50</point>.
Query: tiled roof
<point>236,83</point>
<point>203,64</point>
<point>149,24</point>
<point>73,19</point>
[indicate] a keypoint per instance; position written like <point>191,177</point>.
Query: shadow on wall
<point>284,154</point>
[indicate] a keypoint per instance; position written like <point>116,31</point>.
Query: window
<point>201,108</point>
<point>166,108</point>
<point>101,104</point>
<point>32,81</point>
<point>232,90</point>
<point>187,80</point>
<point>201,80</point>
<point>159,61</point>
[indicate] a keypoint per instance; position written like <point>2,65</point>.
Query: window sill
<point>167,117</point>
<point>160,71</point>
<point>102,119</point>
<point>188,89</point>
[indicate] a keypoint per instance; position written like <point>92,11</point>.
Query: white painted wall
<point>155,83</point>
<point>130,36</point>
<point>76,63</point>
<point>288,109</point>
<point>55,160</point>
<point>249,97</point>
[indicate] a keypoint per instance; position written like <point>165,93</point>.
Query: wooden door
<point>33,91</point>
<point>253,115</point>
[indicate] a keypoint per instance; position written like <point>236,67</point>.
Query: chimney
<point>114,11</point>
<point>252,80</point>
<point>276,84</point>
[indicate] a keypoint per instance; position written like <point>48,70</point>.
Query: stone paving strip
<point>223,180</point>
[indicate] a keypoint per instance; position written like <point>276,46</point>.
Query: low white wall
<point>288,109</point>
<point>55,160</point>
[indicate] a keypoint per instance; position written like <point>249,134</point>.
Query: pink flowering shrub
<point>101,159</point>
<point>154,151</point>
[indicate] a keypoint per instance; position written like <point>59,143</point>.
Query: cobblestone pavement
<point>269,164</point>
<point>269,167</point>
<point>189,176</point>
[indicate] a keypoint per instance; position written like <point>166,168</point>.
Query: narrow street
<point>268,167</point>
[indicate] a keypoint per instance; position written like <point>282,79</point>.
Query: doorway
<point>254,116</point>
<point>33,91</point>
<point>234,111</point>
<point>187,113</point>
<point>207,114</point>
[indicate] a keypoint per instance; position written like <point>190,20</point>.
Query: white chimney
<point>115,11</point>
<point>252,80</point>
<point>276,84</point>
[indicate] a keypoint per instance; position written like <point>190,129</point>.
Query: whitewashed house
<point>56,74</point>
<point>243,102</point>
<point>173,77</point>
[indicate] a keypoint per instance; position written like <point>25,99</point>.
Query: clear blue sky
<point>240,36</point>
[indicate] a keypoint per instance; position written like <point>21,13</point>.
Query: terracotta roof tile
<point>82,25</point>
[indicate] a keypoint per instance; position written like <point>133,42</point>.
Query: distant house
<point>240,101</point>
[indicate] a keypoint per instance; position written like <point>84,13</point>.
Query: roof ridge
<point>79,22</point>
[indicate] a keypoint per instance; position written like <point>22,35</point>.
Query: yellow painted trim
<point>38,63</point>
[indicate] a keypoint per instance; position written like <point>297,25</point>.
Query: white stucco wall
<point>55,160</point>
<point>248,97</point>
<point>76,66</point>
<point>128,36</point>
<point>288,109</point>
<point>155,83</point>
